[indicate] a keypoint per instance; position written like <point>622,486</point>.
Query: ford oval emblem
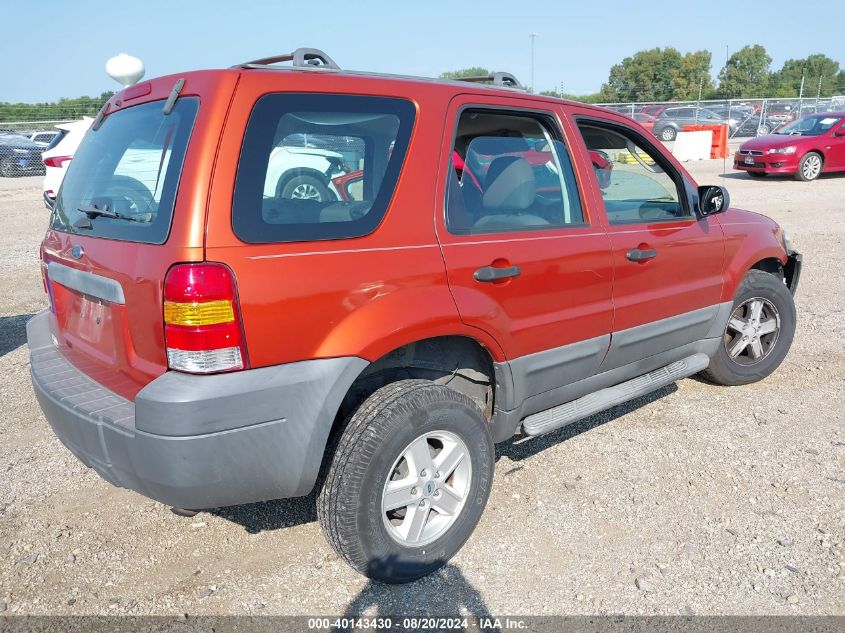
<point>77,251</point>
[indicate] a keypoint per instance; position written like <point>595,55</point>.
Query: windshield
<point>810,126</point>
<point>123,178</point>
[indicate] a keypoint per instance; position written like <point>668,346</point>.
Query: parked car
<point>43,138</point>
<point>805,148</point>
<point>778,114</point>
<point>653,109</point>
<point>210,342</point>
<point>746,122</point>
<point>19,156</point>
<point>672,120</point>
<point>58,154</point>
<point>646,120</point>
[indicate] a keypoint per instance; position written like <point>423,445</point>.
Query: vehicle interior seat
<point>509,190</point>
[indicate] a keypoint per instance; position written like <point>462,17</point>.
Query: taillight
<point>202,321</point>
<point>56,161</point>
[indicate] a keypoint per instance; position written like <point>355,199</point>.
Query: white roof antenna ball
<point>125,69</point>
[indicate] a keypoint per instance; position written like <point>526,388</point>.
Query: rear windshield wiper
<point>93,211</point>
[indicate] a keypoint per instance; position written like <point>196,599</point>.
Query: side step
<point>551,419</point>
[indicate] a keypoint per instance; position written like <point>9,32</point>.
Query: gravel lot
<point>697,499</point>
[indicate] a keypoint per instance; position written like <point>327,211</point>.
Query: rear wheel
<point>306,187</point>
<point>408,482</point>
<point>809,167</point>
<point>758,334</point>
<point>668,134</point>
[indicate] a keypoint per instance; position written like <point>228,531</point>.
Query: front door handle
<point>491,273</point>
<point>641,255</point>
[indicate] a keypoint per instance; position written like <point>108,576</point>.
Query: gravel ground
<point>696,499</point>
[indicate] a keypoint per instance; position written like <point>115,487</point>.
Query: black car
<point>19,156</point>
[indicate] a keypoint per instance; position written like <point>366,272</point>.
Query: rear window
<point>318,166</point>
<point>130,168</point>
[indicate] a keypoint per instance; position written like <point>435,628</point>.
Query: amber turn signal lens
<point>194,314</point>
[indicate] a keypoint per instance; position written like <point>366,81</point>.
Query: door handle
<point>491,273</point>
<point>641,255</point>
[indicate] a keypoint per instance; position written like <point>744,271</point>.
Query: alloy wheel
<point>811,167</point>
<point>426,489</point>
<point>305,191</point>
<point>752,331</point>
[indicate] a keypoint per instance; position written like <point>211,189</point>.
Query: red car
<point>211,340</point>
<point>805,148</point>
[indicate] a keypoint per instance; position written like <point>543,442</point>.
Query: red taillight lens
<point>202,321</point>
<point>56,161</point>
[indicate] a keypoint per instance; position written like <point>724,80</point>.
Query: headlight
<point>783,150</point>
<point>787,241</point>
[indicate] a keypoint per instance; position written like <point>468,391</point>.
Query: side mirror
<point>840,131</point>
<point>713,199</point>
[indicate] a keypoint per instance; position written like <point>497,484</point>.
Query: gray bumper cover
<point>196,441</point>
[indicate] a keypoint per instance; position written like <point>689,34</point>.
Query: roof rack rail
<point>503,80</point>
<point>301,58</point>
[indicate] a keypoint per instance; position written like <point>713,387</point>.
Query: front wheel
<point>8,168</point>
<point>408,482</point>
<point>809,167</point>
<point>758,334</point>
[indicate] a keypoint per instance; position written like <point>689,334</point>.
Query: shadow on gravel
<point>13,332</point>
<point>445,593</point>
<point>286,513</point>
<point>520,447</point>
<point>271,515</point>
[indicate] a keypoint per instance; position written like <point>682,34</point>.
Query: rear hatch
<point>131,205</point>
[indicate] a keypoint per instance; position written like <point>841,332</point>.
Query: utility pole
<point>532,36</point>
<point>801,95</point>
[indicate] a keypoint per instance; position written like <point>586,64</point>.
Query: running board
<point>555,418</point>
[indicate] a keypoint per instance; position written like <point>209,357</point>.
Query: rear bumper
<point>196,441</point>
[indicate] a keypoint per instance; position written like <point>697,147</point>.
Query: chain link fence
<point>744,117</point>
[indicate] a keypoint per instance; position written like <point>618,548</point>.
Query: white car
<point>303,173</point>
<point>58,155</point>
<point>43,138</point>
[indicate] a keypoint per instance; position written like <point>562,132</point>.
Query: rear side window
<point>318,166</point>
<point>122,181</point>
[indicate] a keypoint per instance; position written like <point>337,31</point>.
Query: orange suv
<point>216,338</point>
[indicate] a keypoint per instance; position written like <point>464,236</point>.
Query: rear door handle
<point>641,255</point>
<point>491,273</point>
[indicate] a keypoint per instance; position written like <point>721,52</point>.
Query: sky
<point>575,46</point>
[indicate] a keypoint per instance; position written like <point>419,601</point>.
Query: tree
<point>647,76</point>
<point>746,73</point>
<point>787,81</point>
<point>473,71</point>
<point>595,97</point>
<point>691,80</point>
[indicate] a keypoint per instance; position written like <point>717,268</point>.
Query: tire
<point>668,134</point>
<point>305,187</point>
<point>7,168</point>
<point>389,425</point>
<point>810,167</point>
<point>778,306</point>
<point>764,129</point>
<point>757,174</point>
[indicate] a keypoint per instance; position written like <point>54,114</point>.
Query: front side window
<point>633,181</point>
<point>318,166</point>
<point>509,174</point>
